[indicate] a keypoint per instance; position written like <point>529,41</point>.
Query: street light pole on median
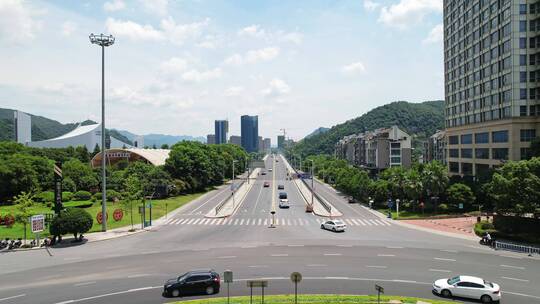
<point>232,185</point>
<point>312,178</point>
<point>103,41</point>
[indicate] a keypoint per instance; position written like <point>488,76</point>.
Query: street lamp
<point>232,184</point>
<point>312,178</point>
<point>397,208</point>
<point>103,41</point>
<point>247,169</point>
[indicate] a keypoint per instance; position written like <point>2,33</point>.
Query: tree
<point>460,194</point>
<point>17,175</point>
<point>535,147</point>
<point>24,202</point>
<point>435,178</point>
<point>413,186</point>
<point>96,150</point>
<point>71,220</point>
<point>164,146</point>
<point>134,193</point>
<point>81,174</point>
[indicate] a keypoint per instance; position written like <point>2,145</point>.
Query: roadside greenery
<point>315,299</point>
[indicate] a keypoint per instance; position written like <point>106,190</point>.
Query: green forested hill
<point>43,128</point>
<point>419,119</point>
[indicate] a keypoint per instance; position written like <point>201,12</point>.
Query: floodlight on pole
<point>103,41</point>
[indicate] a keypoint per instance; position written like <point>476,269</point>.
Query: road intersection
<point>373,250</point>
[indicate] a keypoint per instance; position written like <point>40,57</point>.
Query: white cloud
<point>114,5</point>
<point>158,7</point>
<point>253,56</point>
<point>138,97</point>
<point>169,30</point>
<point>17,22</point>
<point>253,30</point>
<point>353,68</point>
<point>233,91</point>
<point>174,65</point>
<point>435,35</point>
<point>294,37</point>
<point>370,5</point>
<point>408,12</point>
<point>200,76</point>
<point>133,30</point>
<point>68,28</point>
<point>276,88</point>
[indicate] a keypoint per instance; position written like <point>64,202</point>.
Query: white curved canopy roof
<point>78,131</point>
<point>155,156</point>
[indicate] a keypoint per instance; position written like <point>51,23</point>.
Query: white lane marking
<point>235,222</point>
<point>227,257</point>
<point>355,222</point>
<point>150,252</point>
<point>265,222</point>
<point>195,222</point>
<point>110,294</point>
<point>368,223</point>
<point>258,266</point>
<point>288,222</point>
<point>521,294</point>
<point>378,222</point>
<point>249,246</point>
<point>214,221</point>
<point>279,255</point>
<point>514,267</point>
<point>386,222</point>
<point>173,221</point>
<point>295,245</point>
<point>514,279</point>
<point>139,275</point>
<point>241,222</point>
<point>260,221</point>
<point>347,246</point>
<point>84,283</point>
<point>141,289</point>
<point>386,255</point>
<point>511,256</point>
<point>362,222</point>
<point>198,222</point>
<point>394,247</point>
<point>247,221</point>
<point>72,259</point>
<point>375,223</point>
<point>207,201</point>
<point>449,250</point>
<point>443,259</point>
<point>167,222</point>
<point>440,270</point>
<point>337,278</point>
<point>13,297</point>
<point>332,254</point>
<point>204,221</point>
<point>376,266</point>
<point>189,222</point>
<point>404,281</point>
<point>316,265</point>
<point>348,222</point>
<point>182,221</point>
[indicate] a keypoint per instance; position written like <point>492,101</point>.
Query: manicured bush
<point>67,196</point>
<point>443,207</point>
<point>111,194</point>
<point>82,196</point>
<point>487,225</point>
<point>71,220</point>
<point>516,224</point>
<point>45,196</point>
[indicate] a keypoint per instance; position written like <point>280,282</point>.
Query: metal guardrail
<point>220,205</point>
<point>516,247</point>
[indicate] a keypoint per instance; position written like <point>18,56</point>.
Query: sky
<point>176,66</point>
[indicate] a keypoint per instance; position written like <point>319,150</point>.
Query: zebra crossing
<point>267,221</point>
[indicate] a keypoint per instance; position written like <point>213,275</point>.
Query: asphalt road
<point>372,251</point>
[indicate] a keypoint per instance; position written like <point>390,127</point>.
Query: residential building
<point>376,150</point>
<point>210,139</point>
<point>435,148</point>
<point>250,133</point>
<point>281,141</point>
<point>221,130</point>
<point>235,140</point>
<point>492,92</point>
<point>260,142</point>
<point>267,145</point>
<point>22,127</point>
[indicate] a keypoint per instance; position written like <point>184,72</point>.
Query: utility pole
<point>312,179</point>
<point>103,41</point>
<point>232,185</point>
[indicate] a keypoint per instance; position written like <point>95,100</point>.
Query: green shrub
<point>443,207</point>
<point>67,196</point>
<point>487,225</point>
<point>71,220</point>
<point>111,194</point>
<point>82,196</point>
<point>45,196</point>
<point>97,196</point>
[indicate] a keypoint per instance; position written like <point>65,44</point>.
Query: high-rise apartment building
<point>492,69</point>
<point>211,139</point>
<point>250,133</point>
<point>235,140</point>
<point>267,144</point>
<point>221,130</point>
<point>281,141</point>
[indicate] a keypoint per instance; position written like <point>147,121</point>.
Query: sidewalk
<point>459,225</point>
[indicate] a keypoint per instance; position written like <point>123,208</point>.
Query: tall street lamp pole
<point>103,41</point>
<point>312,178</point>
<point>232,185</point>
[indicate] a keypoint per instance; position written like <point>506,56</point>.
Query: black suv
<point>194,282</point>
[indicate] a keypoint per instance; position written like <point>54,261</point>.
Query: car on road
<point>195,282</point>
<point>282,195</point>
<point>266,184</point>
<point>284,203</point>
<point>263,173</point>
<point>468,287</point>
<point>269,169</point>
<point>334,225</point>
<point>351,200</point>
<point>280,187</point>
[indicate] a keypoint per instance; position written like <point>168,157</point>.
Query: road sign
<point>37,223</point>
<point>257,283</point>
<point>118,214</point>
<point>57,187</point>
<point>99,217</point>
<point>228,276</point>
<point>296,277</point>
<point>460,205</point>
<point>379,289</point>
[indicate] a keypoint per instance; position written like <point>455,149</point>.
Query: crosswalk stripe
<point>205,221</point>
<point>197,221</point>
<point>288,222</point>
<point>236,221</point>
<point>265,222</point>
<point>212,222</point>
<point>171,222</point>
<point>368,223</point>
<point>189,221</point>
<point>178,222</point>
<point>373,221</point>
<point>355,222</point>
<point>278,221</point>
<point>349,222</point>
<point>260,221</point>
<point>241,222</point>
<point>379,222</point>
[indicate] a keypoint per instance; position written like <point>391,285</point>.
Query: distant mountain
<point>45,128</point>
<point>418,119</point>
<point>317,132</point>
<point>160,139</point>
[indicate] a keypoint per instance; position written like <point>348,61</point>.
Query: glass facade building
<point>250,133</point>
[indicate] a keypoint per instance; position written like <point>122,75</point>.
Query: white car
<point>269,169</point>
<point>335,225</point>
<point>468,287</point>
<point>283,203</point>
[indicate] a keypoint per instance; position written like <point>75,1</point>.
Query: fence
<point>516,247</point>
<point>220,205</point>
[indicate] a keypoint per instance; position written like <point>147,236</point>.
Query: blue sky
<point>178,65</point>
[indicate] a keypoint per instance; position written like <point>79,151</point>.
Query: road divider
<point>321,206</point>
<point>229,205</point>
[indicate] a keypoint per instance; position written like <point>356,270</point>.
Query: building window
<point>453,153</point>
<point>499,136</point>
<point>466,153</point>
<point>499,153</point>
<point>481,153</point>
<point>522,60</point>
<point>522,26</point>
<point>522,43</point>
<point>522,110</point>
<point>481,138</point>
<point>466,169</point>
<point>522,77</point>
<point>523,9</point>
<point>526,135</point>
<point>522,94</point>
<point>466,139</point>
<point>395,145</point>
<point>525,153</point>
<point>395,160</point>
<point>453,140</point>
<point>395,152</point>
<point>454,167</point>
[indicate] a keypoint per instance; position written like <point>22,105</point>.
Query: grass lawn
<point>409,215</point>
<point>158,210</point>
<point>313,299</point>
